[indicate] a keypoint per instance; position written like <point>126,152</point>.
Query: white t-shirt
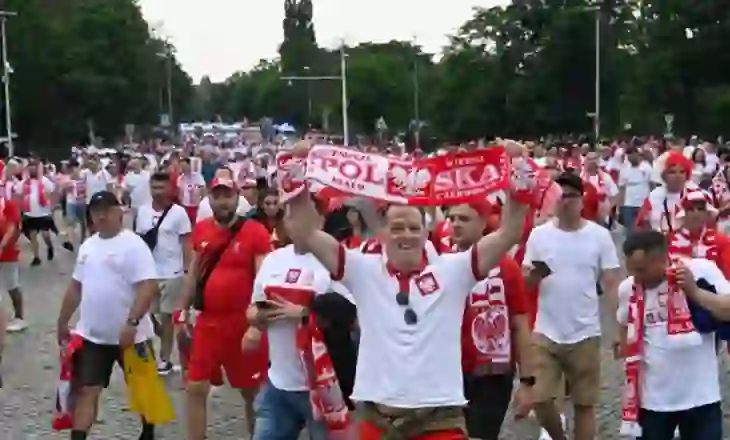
<point>205,211</point>
<point>637,183</point>
<point>96,182</point>
<point>675,378</point>
<point>138,186</point>
<point>108,270</point>
<point>568,307</point>
<point>402,365</point>
<point>34,206</point>
<point>281,267</point>
<point>168,252</point>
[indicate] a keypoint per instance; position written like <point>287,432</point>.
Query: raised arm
<point>305,230</point>
<point>492,247</point>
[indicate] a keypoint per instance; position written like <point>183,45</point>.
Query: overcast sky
<point>219,37</point>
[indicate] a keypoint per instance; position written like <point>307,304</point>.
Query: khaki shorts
<point>9,279</point>
<point>579,363</point>
<point>167,300</point>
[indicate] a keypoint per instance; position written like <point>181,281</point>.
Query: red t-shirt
<point>722,261</point>
<point>230,285</point>
<point>515,294</point>
<point>10,216</point>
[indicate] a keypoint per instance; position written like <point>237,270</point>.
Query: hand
<point>62,334</point>
<point>301,148</point>
<point>685,278</point>
<point>127,335</point>
<point>282,309</point>
<point>523,401</point>
<point>251,340</point>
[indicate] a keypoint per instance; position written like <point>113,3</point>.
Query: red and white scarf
<point>62,418</point>
<point>190,194</point>
<point>28,193</point>
<point>683,243</point>
<point>325,394</point>
<point>443,180</point>
<point>679,324</point>
<point>485,332</point>
<point>720,190</point>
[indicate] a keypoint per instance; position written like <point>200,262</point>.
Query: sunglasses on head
<point>409,315</point>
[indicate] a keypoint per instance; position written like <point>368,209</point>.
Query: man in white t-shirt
<point>283,276</point>
<point>171,252</point>
<point>565,258</point>
<point>37,202</point>
<point>113,286</point>
<point>137,185</point>
<point>634,182</point>
<point>410,314</point>
<point>677,382</point>
<point>96,179</point>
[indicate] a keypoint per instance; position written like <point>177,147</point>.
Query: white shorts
<point>9,279</point>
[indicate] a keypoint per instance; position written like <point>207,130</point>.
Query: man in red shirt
<point>228,252</point>
<point>9,255</point>
<point>491,351</point>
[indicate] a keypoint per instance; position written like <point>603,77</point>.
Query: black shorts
<point>489,397</point>
<point>93,363</point>
<point>36,224</point>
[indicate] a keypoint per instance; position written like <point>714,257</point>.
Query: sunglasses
<point>571,196</point>
<point>409,315</point>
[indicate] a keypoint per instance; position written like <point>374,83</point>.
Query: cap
<point>222,181</point>
<point>103,199</point>
<point>570,180</point>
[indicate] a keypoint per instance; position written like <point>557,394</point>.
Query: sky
<point>219,37</point>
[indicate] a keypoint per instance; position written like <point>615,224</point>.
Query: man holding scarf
<point>409,379</point>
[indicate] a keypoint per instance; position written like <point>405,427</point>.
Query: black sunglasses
<point>409,316</point>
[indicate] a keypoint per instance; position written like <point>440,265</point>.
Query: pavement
<point>30,372</point>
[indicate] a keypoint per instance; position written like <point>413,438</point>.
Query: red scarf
<point>485,331</point>
<point>62,418</point>
<point>679,322</point>
<point>27,191</point>
<point>325,395</point>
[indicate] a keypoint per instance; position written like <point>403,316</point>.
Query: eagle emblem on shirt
<point>427,284</point>
<point>292,276</point>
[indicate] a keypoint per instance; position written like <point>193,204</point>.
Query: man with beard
<point>228,251</point>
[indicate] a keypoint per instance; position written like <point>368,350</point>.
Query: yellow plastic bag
<point>146,392</point>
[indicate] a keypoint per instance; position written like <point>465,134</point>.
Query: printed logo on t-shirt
<point>292,276</point>
<point>427,284</point>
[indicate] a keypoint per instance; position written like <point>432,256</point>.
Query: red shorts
<point>192,212</point>
<point>368,431</point>
<point>216,346</point>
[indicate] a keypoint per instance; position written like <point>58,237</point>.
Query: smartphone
<point>263,305</point>
<point>542,268</point>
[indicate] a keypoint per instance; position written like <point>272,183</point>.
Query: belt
<point>406,423</point>
<point>492,369</point>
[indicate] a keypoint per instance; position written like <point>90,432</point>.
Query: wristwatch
<point>529,381</point>
<point>133,322</point>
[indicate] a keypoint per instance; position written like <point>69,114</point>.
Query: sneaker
<point>68,246</point>
<point>36,262</point>
<point>16,325</point>
<point>676,433</point>
<point>164,368</point>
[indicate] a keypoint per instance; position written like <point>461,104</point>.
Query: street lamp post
<point>4,15</point>
<point>168,67</point>
<point>596,114</point>
<point>342,77</point>
<point>416,101</point>
<point>309,95</point>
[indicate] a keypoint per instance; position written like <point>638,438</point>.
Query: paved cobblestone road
<point>30,372</point>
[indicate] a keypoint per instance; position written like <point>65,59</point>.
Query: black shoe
<point>36,262</point>
<point>68,246</point>
<point>50,254</point>
<point>164,368</point>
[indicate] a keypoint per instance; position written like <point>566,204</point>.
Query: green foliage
<point>79,60</point>
<point>527,69</point>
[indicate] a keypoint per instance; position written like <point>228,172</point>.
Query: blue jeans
<point>699,423</point>
<point>628,216</point>
<point>281,415</point>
